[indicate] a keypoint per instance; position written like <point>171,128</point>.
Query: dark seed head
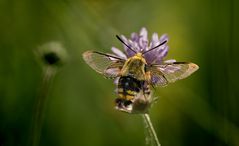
<point>51,58</point>
<point>52,54</point>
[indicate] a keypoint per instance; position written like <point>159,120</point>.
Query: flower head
<point>140,43</point>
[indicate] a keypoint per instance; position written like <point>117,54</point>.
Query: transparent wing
<point>106,64</point>
<point>169,73</point>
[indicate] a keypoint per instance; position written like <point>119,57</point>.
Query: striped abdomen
<point>129,87</point>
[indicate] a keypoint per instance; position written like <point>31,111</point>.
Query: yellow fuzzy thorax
<point>134,67</point>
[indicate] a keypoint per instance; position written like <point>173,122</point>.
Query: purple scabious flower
<point>140,43</point>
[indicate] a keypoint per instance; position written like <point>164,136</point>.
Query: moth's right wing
<point>162,74</point>
<point>105,64</point>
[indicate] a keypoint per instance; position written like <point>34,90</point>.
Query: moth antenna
<point>155,47</point>
<point>118,37</point>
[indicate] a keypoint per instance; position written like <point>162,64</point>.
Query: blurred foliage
<point>200,110</point>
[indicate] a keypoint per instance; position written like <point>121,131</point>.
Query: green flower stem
<point>151,136</point>
<point>40,105</point>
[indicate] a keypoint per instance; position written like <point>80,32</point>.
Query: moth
<point>135,75</point>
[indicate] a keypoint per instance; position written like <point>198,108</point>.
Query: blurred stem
<point>151,136</point>
<point>40,105</point>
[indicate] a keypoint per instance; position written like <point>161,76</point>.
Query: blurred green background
<point>201,110</point>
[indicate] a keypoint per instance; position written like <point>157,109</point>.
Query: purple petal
<point>163,38</point>
<point>143,44</point>
<point>135,45</point>
<point>150,57</point>
<point>157,55</point>
<point>170,61</point>
<point>118,52</point>
<point>161,54</point>
<point>134,37</point>
<point>144,33</point>
<point>164,52</point>
<point>153,55</point>
<point>143,40</point>
<point>128,52</point>
<point>155,40</point>
<point>125,40</point>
